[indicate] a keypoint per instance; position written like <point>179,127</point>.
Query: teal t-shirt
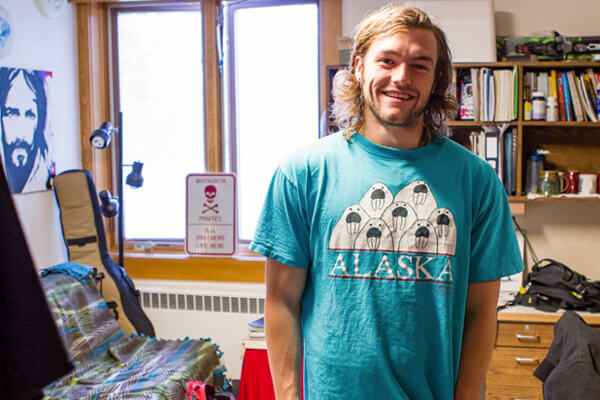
<point>391,238</point>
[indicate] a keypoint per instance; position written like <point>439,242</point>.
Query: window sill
<point>245,267</point>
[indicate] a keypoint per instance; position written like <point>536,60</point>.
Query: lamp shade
<point>135,178</point>
<point>100,138</point>
<point>109,206</point>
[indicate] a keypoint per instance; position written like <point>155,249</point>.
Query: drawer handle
<point>528,338</point>
<point>527,361</point>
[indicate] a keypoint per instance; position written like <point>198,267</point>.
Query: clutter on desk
<point>551,285</point>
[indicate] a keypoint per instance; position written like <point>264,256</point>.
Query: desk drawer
<point>511,374</point>
<point>503,396</point>
<point>524,334</point>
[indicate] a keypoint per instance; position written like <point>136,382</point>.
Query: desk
<point>255,382</point>
<point>522,340</point>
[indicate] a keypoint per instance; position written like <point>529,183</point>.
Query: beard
<point>19,159</point>
<point>409,121</point>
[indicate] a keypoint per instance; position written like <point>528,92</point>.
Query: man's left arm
<point>478,339</point>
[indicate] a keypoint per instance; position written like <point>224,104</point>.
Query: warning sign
<point>210,214</point>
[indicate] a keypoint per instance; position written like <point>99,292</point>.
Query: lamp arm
<point>120,184</point>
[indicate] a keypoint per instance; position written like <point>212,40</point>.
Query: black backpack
<point>552,285</point>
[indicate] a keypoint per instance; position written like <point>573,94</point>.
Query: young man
<point>385,241</point>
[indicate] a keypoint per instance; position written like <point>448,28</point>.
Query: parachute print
<point>408,222</point>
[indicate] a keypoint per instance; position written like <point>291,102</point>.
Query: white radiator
<point>216,310</point>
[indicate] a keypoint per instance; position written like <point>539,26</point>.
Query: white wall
<point>50,45</point>
<point>524,17</point>
<point>513,17</point>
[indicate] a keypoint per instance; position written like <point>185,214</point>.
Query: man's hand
<point>285,286</point>
<point>478,339</point>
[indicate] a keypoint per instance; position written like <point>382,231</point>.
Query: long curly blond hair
<point>348,106</point>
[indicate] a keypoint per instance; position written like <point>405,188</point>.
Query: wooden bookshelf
<point>563,200</point>
<point>573,145</point>
<point>479,123</point>
<point>561,124</point>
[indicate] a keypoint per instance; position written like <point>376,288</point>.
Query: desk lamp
<point>113,205</point>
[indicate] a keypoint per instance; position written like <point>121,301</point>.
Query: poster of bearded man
<point>26,136</point>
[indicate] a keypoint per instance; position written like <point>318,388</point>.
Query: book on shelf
<point>510,149</point>
<point>531,81</point>
<point>515,93</point>
<point>498,146</point>
<point>514,161</point>
<point>588,96</point>
<point>561,98</point>
<point>476,93</point>
<point>499,93</point>
<point>465,97</point>
<point>594,89</point>
<point>474,142</point>
<point>567,97</point>
<point>507,177</point>
<point>505,94</point>
<point>491,150</point>
<point>491,97</point>
<point>543,83</point>
<point>484,89</point>
<point>552,91</point>
<point>494,94</point>
<point>576,97</point>
<point>590,72</point>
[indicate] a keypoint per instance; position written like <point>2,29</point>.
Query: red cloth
<point>256,382</point>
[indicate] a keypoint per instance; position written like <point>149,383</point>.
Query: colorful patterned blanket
<point>109,364</point>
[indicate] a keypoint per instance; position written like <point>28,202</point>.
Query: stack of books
<point>256,329</point>
<point>256,335</point>
<point>486,94</point>
<point>576,91</point>
<point>498,146</point>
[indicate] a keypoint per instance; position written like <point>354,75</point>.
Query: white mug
<point>587,183</point>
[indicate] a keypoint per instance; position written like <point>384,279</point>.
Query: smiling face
<point>397,77</point>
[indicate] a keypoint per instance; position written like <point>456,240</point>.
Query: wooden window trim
<point>95,94</point>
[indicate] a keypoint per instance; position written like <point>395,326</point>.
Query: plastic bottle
<point>552,109</point>
<point>538,106</point>
<point>535,165</point>
<point>527,110</point>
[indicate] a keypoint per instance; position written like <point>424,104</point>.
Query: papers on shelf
<point>534,196</point>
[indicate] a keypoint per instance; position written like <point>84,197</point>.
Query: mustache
<point>19,143</point>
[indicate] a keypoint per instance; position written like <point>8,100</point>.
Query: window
<point>161,95</point>
<point>271,92</point>
<point>222,132</point>
<point>271,88</point>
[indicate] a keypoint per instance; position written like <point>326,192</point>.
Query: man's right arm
<point>285,286</point>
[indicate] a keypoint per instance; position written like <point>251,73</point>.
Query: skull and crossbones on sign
<point>210,192</point>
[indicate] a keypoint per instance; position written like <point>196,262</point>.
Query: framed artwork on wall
<point>26,137</point>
